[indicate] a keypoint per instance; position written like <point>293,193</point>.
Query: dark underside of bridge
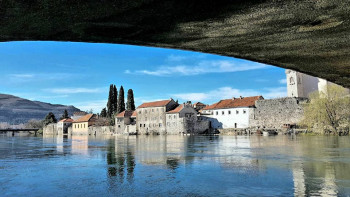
<point>311,36</point>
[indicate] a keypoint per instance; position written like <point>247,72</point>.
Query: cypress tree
<point>104,113</point>
<point>50,118</point>
<point>115,101</point>
<point>121,102</point>
<point>65,115</point>
<point>110,102</point>
<point>130,104</point>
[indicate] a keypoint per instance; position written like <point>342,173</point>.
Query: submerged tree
<point>130,104</point>
<point>328,113</point>
<point>50,118</point>
<point>121,101</point>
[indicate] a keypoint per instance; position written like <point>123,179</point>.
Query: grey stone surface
<point>274,113</point>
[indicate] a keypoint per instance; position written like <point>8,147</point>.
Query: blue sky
<point>79,74</point>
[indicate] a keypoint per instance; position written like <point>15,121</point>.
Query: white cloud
<point>229,92</point>
<point>74,90</point>
<point>23,76</point>
<point>202,67</point>
<point>175,58</point>
<point>282,81</point>
<point>95,105</point>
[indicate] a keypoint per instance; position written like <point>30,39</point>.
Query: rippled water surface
<point>174,166</point>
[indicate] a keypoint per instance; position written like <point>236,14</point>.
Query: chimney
<point>233,98</point>
<point>240,97</point>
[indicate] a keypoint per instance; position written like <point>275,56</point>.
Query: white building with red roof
<point>63,125</point>
<point>231,113</point>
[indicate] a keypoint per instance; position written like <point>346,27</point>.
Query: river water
<point>175,166</point>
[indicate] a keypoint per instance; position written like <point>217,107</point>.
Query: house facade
<point>125,122</point>
<point>183,119</point>
<point>231,113</point>
<point>81,125</point>
<point>63,125</point>
<point>151,117</point>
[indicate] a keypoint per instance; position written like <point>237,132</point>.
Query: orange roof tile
<point>67,120</point>
<point>134,114</point>
<point>85,118</point>
<point>155,104</point>
<point>125,113</point>
<point>176,110</point>
<point>235,102</point>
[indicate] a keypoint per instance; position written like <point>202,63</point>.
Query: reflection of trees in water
<point>120,161</point>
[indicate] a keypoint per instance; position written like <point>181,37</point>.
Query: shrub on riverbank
<point>328,113</point>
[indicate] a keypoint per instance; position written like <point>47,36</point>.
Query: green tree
<point>328,113</point>
<point>130,104</point>
<point>110,102</point>
<point>121,101</point>
<point>104,113</point>
<point>64,115</point>
<point>50,118</point>
<point>115,100</point>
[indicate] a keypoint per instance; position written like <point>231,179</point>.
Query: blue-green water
<point>175,166</point>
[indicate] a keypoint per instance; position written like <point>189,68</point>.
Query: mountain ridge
<point>16,110</point>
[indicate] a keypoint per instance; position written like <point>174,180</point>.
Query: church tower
<point>300,84</point>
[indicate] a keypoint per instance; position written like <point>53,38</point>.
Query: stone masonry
<point>277,113</point>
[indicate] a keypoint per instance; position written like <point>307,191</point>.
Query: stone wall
<point>50,129</point>
<point>274,113</point>
<point>101,130</point>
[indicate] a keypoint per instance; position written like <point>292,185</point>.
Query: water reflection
<point>301,166</point>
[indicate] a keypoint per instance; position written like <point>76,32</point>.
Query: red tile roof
<point>134,114</point>
<point>176,110</point>
<point>235,102</point>
<point>125,113</point>
<point>155,104</point>
<point>85,118</point>
<point>67,120</point>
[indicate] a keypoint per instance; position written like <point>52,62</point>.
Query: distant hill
<point>15,110</point>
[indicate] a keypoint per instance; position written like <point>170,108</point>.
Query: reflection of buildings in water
<point>160,150</point>
<point>329,188</point>
<point>80,145</point>
<point>298,179</point>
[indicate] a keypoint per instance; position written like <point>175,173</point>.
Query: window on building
<point>160,124</point>
<point>169,117</point>
<point>144,125</point>
<point>217,113</point>
<point>174,116</point>
<point>84,126</point>
<point>168,123</point>
<point>223,112</point>
<point>237,112</point>
<point>75,126</point>
<point>229,112</point>
<point>78,126</point>
<point>118,126</point>
<point>244,111</point>
<point>140,125</point>
<point>140,112</point>
<point>291,81</point>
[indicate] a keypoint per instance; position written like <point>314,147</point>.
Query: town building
<point>81,125</point>
<point>63,125</point>
<point>125,122</point>
<point>183,119</point>
<point>198,106</point>
<point>231,113</point>
<point>77,115</point>
<point>151,116</point>
<point>300,84</point>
